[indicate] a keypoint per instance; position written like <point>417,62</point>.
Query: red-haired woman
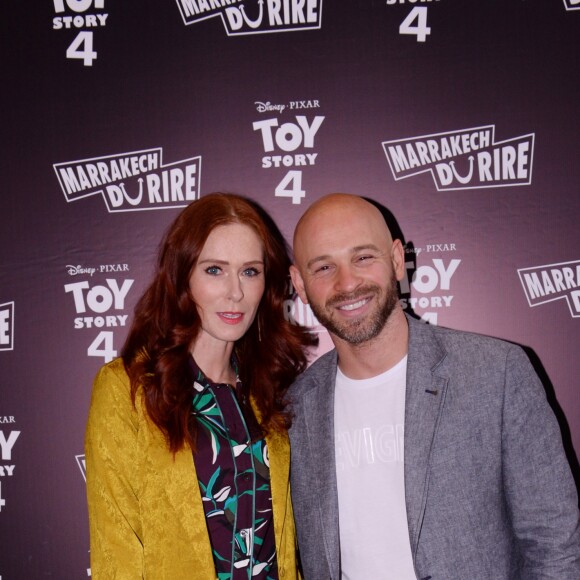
<point>186,446</point>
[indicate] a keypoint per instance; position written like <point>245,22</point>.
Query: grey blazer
<point>488,489</point>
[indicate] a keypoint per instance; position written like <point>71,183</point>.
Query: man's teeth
<point>354,305</point>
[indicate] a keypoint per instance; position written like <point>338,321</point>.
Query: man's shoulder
<point>451,339</point>
<point>319,371</point>
<point>451,350</point>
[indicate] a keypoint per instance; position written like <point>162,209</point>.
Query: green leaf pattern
<point>243,556</point>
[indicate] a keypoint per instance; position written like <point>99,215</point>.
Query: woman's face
<point>227,283</point>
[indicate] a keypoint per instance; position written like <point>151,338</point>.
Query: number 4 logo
<point>420,29</point>
<point>102,346</point>
<point>82,47</point>
<point>291,186</point>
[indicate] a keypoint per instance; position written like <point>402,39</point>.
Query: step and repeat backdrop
<point>460,116</point>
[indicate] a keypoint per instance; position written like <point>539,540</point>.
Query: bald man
<point>417,452</point>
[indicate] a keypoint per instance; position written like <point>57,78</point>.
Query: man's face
<point>347,269</point>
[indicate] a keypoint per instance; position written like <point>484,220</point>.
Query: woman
<point>186,446</point>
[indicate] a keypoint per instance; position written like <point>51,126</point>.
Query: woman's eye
<point>251,272</point>
<point>213,270</point>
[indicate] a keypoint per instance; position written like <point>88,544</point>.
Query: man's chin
<point>352,334</point>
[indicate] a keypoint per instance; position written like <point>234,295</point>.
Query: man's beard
<point>366,328</point>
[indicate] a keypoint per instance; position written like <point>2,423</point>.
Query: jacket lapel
<point>279,458</point>
<point>318,405</point>
<point>425,397</point>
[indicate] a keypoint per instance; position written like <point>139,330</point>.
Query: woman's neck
<point>214,359</point>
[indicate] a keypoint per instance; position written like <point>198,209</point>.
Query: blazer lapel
<point>425,397</point>
<point>318,405</point>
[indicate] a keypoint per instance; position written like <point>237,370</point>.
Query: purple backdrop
<point>461,117</point>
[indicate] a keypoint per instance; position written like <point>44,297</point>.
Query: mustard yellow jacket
<point>145,509</point>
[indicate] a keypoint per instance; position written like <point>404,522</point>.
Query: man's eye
<point>322,269</point>
<point>213,270</point>
<point>364,258</point>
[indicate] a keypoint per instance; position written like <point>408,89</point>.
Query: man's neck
<point>378,355</point>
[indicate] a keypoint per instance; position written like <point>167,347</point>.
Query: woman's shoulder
<point>113,371</point>
<point>112,382</point>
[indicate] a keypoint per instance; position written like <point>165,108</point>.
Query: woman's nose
<point>235,290</point>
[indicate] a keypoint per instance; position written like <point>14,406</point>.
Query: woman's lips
<point>231,317</point>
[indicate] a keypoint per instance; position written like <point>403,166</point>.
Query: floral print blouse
<point>232,465</point>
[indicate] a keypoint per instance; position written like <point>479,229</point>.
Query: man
<point>481,488</point>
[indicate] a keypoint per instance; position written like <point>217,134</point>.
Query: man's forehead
<point>353,230</point>
<point>339,222</point>
<point>315,243</point>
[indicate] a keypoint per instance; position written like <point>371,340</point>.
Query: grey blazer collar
<point>424,400</point>
<point>319,416</point>
<point>425,396</point>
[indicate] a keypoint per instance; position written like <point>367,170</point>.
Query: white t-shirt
<point>369,418</point>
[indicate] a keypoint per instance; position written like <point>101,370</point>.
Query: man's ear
<point>298,283</point>
<point>398,259</point>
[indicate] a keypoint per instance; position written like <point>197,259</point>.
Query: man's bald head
<point>337,213</point>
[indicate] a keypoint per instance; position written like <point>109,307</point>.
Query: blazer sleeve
<point>112,463</point>
<point>540,491</point>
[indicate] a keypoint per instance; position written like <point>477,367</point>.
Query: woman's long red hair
<point>166,323</point>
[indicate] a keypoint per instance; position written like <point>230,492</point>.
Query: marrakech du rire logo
<point>7,326</point>
<point>134,181</point>
<point>463,159</point>
<point>543,284</point>
<point>255,16</point>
